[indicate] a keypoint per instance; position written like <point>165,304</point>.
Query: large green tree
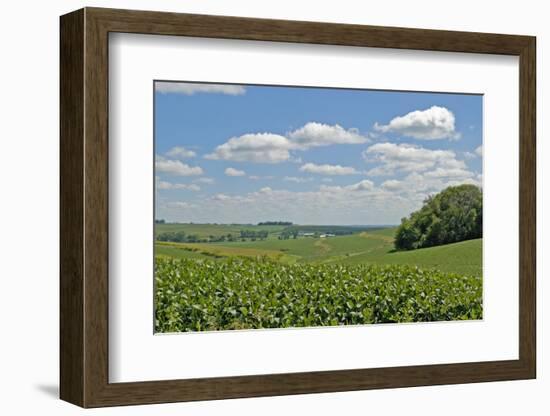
<point>455,214</point>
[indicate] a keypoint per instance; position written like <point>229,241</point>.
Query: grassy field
<point>362,247</point>
<point>463,258</point>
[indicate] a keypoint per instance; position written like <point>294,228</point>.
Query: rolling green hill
<point>463,258</point>
<point>365,247</point>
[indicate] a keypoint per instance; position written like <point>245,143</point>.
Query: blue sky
<point>244,154</point>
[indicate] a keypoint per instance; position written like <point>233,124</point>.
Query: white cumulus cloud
<point>208,181</point>
<point>221,197</point>
<point>234,172</point>
<point>176,167</point>
<point>180,205</point>
<point>318,134</point>
<point>258,178</point>
<point>328,169</point>
<point>180,152</point>
<point>189,88</point>
<point>451,173</point>
<point>431,124</point>
<point>364,185</point>
<point>479,151</point>
<point>392,185</point>
<point>256,147</point>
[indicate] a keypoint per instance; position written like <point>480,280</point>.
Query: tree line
<point>182,237</point>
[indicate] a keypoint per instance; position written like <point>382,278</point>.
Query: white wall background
<point>29,209</point>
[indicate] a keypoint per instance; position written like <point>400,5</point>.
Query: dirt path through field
<point>323,245</point>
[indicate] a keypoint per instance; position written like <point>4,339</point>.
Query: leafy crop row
<point>200,295</point>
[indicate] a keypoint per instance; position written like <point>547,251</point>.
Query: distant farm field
<point>362,247</point>
<point>205,250</point>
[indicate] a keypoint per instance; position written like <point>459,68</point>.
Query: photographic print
<point>291,206</point>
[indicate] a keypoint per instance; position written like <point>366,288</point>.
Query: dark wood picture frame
<point>84,207</point>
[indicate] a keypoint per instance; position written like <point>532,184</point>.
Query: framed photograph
<point>255,207</point>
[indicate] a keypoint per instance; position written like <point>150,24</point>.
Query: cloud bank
<point>168,185</point>
<point>395,158</point>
